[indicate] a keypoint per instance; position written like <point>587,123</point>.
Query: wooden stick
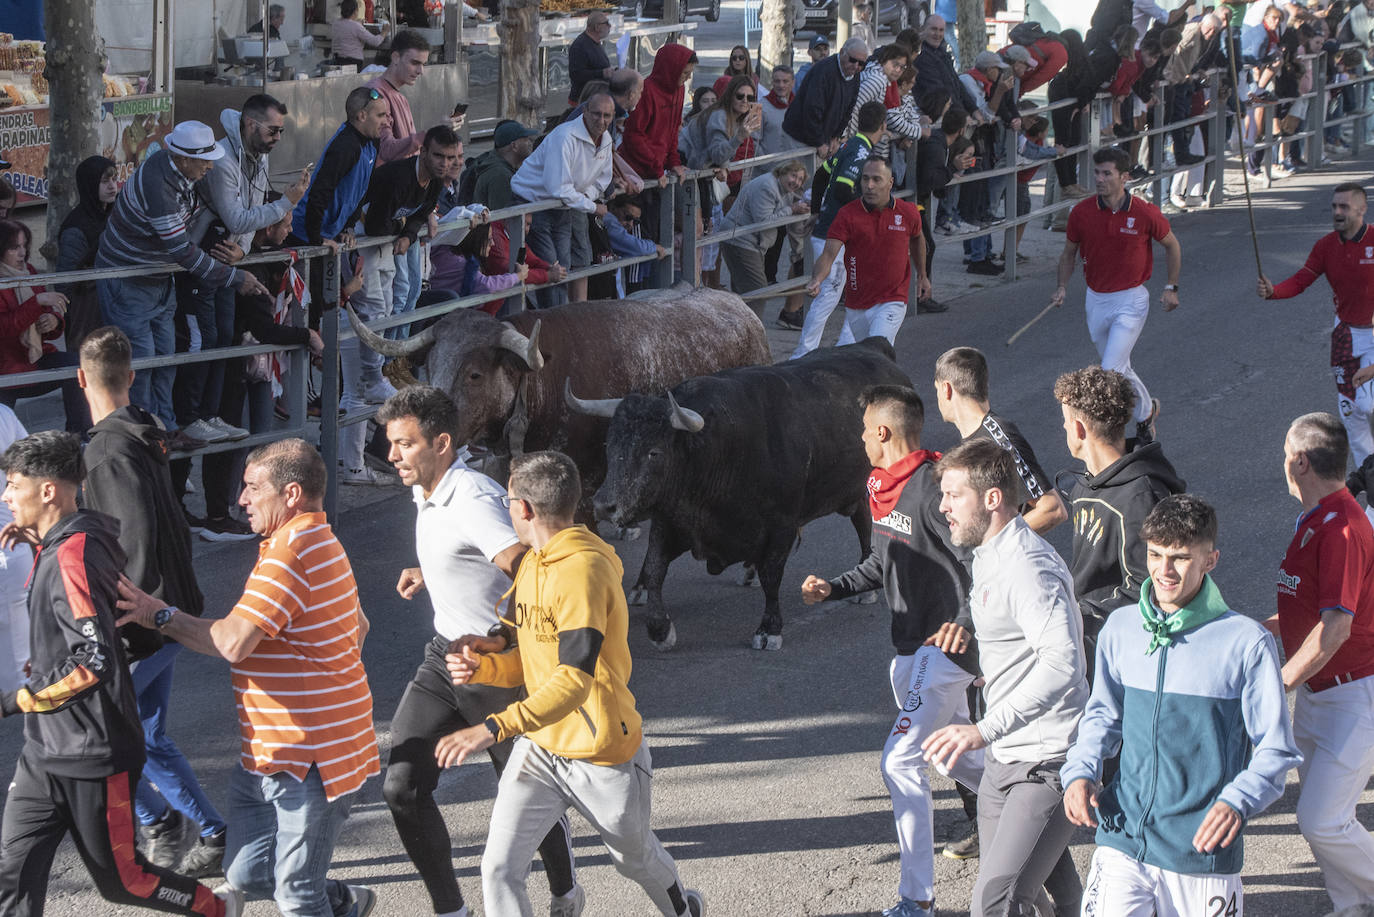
<point>1026,327</point>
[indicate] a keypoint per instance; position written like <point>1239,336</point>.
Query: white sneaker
<point>204,432</point>
<point>367,476</point>
<point>231,432</point>
<point>233,900</point>
<point>378,392</point>
<point>569,905</point>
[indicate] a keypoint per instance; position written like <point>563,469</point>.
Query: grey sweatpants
<point>537,788</point>
<point>1023,831</point>
<point>746,271</point>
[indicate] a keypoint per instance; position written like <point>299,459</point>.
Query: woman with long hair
<point>740,63</point>
<point>726,131</point>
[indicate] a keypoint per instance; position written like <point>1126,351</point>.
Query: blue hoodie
<point>334,200</point>
<point>1218,730</point>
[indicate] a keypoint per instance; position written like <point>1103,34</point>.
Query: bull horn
<point>684,418</point>
<point>414,346</point>
<point>526,348</point>
<point>592,407</point>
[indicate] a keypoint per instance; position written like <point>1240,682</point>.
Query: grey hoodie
<point>1030,638</point>
<point>236,189</point>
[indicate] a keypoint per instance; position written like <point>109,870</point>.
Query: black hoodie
<point>84,720</point>
<point>1107,510</point>
<point>127,477</point>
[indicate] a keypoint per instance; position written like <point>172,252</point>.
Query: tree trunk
<point>75,65</point>
<point>522,89</point>
<point>775,44</point>
<point>973,31</point>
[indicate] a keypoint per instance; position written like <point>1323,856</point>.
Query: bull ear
<point>526,348</point>
<point>592,407</point>
<point>684,419</point>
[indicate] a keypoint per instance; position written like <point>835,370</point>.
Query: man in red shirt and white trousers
<point>1326,622</point>
<point>1114,231</point>
<point>1346,257</point>
<point>881,238</point>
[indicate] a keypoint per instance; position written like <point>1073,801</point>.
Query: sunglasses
<point>273,131</point>
<point>856,60</point>
<point>744,97</point>
<point>373,95</point>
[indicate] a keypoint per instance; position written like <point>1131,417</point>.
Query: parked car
<point>653,9</point>
<point>893,15</point>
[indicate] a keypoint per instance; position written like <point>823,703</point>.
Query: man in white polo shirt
<point>468,554</point>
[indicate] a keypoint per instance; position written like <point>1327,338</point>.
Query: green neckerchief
<point>1205,606</point>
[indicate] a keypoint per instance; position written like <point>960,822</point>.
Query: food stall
<point>137,110</point>
<point>225,71</point>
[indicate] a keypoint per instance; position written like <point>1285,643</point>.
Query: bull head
<point>415,347</point>
<point>526,348</point>
<point>593,407</point>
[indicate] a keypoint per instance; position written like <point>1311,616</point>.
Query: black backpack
<point>1027,33</point>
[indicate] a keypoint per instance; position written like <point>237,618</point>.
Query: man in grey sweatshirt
<point>1030,635</point>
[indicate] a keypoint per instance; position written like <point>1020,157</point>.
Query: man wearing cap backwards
<point>148,226</point>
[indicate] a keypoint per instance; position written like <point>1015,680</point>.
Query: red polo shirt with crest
<point>1115,244</point>
<point>1349,267</point>
<point>877,246</point>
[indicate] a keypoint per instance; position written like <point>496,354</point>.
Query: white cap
<point>194,140</point>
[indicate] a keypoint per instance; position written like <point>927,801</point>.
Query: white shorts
<point>1120,886</point>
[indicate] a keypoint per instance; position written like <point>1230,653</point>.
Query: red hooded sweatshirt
<point>650,144</point>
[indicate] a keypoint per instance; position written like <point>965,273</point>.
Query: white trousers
<point>818,313</point>
<point>931,692</point>
<point>1356,413</point>
<point>536,790</point>
<point>1115,321</point>
<point>885,318</point>
<point>1119,886</point>
<point>1334,730</point>
<point>14,616</point>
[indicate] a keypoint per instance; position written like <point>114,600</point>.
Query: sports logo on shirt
<point>1369,251</point>
<point>1288,583</point>
<point>898,522</point>
<point>1130,222</point>
<point>897,218</point>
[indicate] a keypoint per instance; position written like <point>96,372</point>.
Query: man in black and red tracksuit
<point>1346,257</point>
<point>83,745</point>
<point>920,571</point>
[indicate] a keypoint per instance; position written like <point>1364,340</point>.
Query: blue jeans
<point>281,838</point>
<point>551,239</point>
<point>145,311</point>
<point>405,291</point>
<point>979,248</point>
<point>166,766</point>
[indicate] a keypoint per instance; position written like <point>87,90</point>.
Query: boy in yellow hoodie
<point>577,733</point>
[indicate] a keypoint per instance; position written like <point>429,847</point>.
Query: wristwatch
<point>1170,288</point>
<point>163,616</point>
<point>493,727</point>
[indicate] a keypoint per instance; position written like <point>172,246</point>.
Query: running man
<point>1326,622</point>
<point>1113,231</point>
<point>1346,257</point>
<point>1188,691</point>
<point>918,568</point>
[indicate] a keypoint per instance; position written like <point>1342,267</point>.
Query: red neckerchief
<point>893,97</point>
<point>773,100</point>
<point>885,484</point>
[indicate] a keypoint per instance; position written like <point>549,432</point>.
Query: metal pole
<point>1217,143</point>
<point>266,39</point>
<point>1158,118</point>
<point>1316,145</point>
<point>663,270</point>
<point>329,384</point>
<point>1009,199</point>
<point>844,15</point>
<point>691,261</point>
<point>515,232</point>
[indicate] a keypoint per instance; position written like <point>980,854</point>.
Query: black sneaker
<point>205,859</point>
<point>963,849</point>
<point>227,529</point>
<point>1138,171</point>
<point>790,321</point>
<point>930,307</point>
<point>984,267</point>
<point>162,841</point>
<point>1145,429</point>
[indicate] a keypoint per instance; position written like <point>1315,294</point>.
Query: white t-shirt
<point>458,531</point>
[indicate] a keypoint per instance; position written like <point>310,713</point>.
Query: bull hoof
<point>668,642</point>
<point>770,642</point>
<point>638,596</point>
<point>865,598</point>
<point>629,533</point>
<point>749,575</point>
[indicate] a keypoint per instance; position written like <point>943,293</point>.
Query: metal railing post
<point>808,251</point>
<point>298,384</point>
<point>1157,120</point>
<point>1010,142</point>
<point>667,214</point>
<point>1215,171</point>
<point>691,260</point>
<point>1316,106</point>
<point>515,232</point>
<point>329,383</point>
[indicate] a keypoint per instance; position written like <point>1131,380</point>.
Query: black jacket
<point>587,61</point>
<point>1107,510</point>
<point>396,204</point>
<point>85,720</point>
<point>127,477</point>
<point>917,568</point>
<point>820,110</point>
<point>935,70</point>
<point>933,171</point>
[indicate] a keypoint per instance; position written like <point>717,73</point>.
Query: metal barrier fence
<point>327,260</point>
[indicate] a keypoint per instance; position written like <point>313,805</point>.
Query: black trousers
<point>43,808</point>
<point>431,708</point>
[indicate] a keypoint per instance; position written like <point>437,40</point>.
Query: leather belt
<point>1343,678</point>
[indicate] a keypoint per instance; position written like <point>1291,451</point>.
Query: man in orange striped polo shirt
<point>294,642</point>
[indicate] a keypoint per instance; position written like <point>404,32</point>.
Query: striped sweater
<point>303,696</point>
<point>149,221</point>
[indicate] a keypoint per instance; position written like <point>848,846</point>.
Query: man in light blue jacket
<point>1189,693</point>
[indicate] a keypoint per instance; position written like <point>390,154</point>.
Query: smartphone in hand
<point>520,255</point>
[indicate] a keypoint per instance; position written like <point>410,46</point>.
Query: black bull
<point>731,465</point>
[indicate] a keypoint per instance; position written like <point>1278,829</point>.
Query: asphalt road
<point>768,791</point>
